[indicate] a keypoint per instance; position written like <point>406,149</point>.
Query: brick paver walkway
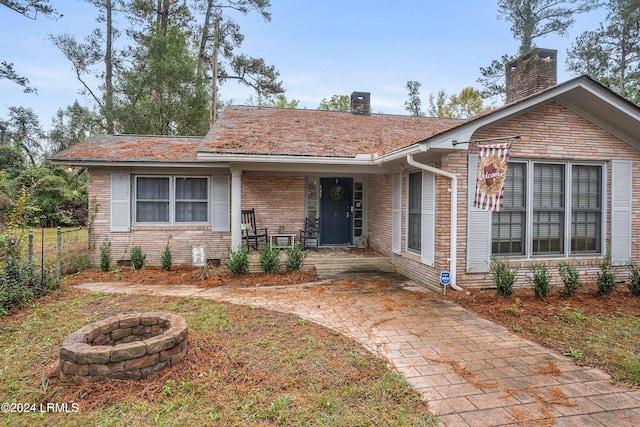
<point>471,372</point>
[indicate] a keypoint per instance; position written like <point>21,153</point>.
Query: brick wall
<point>152,239</point>
<point>554,132</point>
<point>548,132</point>
<point>380,190</point>
<point>278,200</point>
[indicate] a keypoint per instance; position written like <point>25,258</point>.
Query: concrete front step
<point>330,263</point>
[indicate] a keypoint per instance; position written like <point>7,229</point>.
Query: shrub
<point>105,255</point>
<point>137,258</point>
<point>238,260</point>
<point>570,278</point>
<point>634,280</point>
<point>503,277</point>
<point>606,278</point>
<point>295,257</point>
<point>541,280</point>
<point>76,264</point>
<point>19,282</point>
<point>166,258</point>
<point>269,258</point>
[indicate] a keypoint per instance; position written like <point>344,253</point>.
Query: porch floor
<point>331,261</point>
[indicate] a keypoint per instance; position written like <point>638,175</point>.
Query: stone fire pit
<point>128,346</point>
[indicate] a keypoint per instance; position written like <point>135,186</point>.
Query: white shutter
<point>428,226</point>
<point>396,220</point>
<point>621,189</point>
<point>220,204</point>
<point>478,225</point>
<point>120,202</point>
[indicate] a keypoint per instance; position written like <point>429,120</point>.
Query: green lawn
<point>244,366</point>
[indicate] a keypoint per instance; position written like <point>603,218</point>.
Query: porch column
<point>236,208</point>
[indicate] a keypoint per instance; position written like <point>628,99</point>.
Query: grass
<point>244,366</point>
<point>593,330</point>
<point>609,341</point>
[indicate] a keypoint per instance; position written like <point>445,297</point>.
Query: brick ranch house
<point>399,181</point>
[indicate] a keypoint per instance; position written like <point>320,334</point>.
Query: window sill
<point>165,227</point>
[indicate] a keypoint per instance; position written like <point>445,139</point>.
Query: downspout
<point>454,216</point>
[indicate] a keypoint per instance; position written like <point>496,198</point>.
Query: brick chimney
<point>361,103</point>
<point>530,73</point>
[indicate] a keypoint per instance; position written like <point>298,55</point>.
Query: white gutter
<point>454,216</point>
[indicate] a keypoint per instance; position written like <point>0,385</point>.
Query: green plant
<point>269,258</point>
<point>295,257</point>
<point>238,260</point>
<point>570,278</point>
<point>105,255</point>
<point>606,280</point>
<point>541,280</point>
<point>574,352</point>
<point>166,258</point>
<point>634,280</point>
<point>503,277</point>
<point>137,258</point>
<point>513,309</point>
<point>20,283</point>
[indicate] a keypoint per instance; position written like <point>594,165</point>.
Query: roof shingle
<point>281,131</point>
<point>132,148</point>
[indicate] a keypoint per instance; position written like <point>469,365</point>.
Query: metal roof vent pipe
<point>361,103</point>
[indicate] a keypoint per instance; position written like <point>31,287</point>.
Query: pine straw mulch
<point>186,276</point>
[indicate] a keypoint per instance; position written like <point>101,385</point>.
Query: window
<point>172,199</point>
<point>548,209</point>
<point>552,203</point>
<point>152,199</point>
<point>414,223</point>
<point>509,224</point>
<point>586,208</point>
<point>191,199</point>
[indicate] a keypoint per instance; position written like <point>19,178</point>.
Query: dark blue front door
<point>335,211</point>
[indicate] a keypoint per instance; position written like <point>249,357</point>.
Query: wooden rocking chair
<point>310,236</point>
<point>250,233</point>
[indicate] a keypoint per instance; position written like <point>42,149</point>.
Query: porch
<point>331,261</point>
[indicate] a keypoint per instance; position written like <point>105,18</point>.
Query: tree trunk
<point>214,73</point>
<point>204,38</point>
<point>108,76</point>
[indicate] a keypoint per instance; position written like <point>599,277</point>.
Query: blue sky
<point>320,47</point>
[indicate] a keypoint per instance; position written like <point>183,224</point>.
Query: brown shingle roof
<point>132,148</point>
<point>278,131</point>
<point>267,131</point>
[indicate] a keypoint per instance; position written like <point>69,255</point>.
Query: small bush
<point>634,280</point>
<point>541,280</point>
<point>76,264</point>
<point>606,278</point>
<point>238,260</point>
<point>105,255</point>
<point>503,277</point>
<point>166,258</point>
<point>570,279</point>
<point>295,257</point>
<point>20,283</point>
<point>269,258</point>
<point>137,258</point>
